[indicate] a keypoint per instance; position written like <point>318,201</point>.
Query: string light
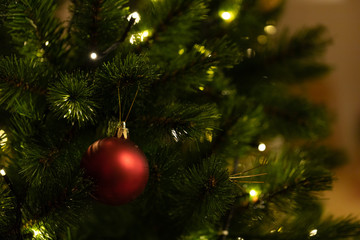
<point>93,56</point>
<point>139,36</point>
<point>46,43</point>
<point>313,232</point>
<point>270,29</point>
<point>181,51</point>
<point>253,193</point>
<point>134,15</point>
<point>2,172</point>
<point>227,16</point>
<point>132,39</point>
<point>262,39</point>
<point>250,52</point>
<point>262,147</point>
<point>201,88</point>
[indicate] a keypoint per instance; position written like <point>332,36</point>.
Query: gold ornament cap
<point>122,131</point>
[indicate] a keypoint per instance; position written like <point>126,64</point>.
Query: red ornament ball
<point>118,167</point>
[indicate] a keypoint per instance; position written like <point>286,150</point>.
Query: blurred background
<point>339,90</point>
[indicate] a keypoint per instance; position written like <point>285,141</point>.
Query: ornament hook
<point>122,131</point>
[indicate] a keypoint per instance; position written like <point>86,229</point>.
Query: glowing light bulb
<point>313,232</point>
<point>143,35</point>
<point>262,39</point>
<point>262,147</point>
<point>250,52</point>
<point>227,16</point>
<point>134,15</point>
<point>201,88</point>
<point>181,51</point>
<point>2,172</point>
<point>253,193</point>
<point>93,55</point>
<point>270,29</point>
<point>132,39</point>
<point>46,43</point>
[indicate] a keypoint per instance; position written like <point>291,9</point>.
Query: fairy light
<point>262,147</point>
<point>46,43</point>
<point>270,29</point>
<point>134,15</point>
<point>227,16</point>
<point>181,51</point>
<point>139,36</point>
<point>93,56</point>
<point>250,52</point>
<point>262,39</point>
<point>201,88</point>
<point>253,193</point>
<point>313,232</point>
<point>2,172</point>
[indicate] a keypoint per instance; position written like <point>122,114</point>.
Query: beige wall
<point>340,90</point>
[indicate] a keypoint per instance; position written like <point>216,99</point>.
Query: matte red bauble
<point>119,169</point>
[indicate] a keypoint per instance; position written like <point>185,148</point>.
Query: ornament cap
<point>122,131</point>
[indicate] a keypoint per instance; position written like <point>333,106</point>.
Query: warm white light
<point>46,43</point>
<point>134,15</point>
<point>250,52</point>
<point>2,172</point>
<point>226,16</point>
<point>253,193</point>
<point>262,147</point>
<point>313,232</point>
<point>201,88</point>
<point>262,39</point>
<point>181,51</point>
<point>93,56</point>
<point>270,29</point>
<point>143,35</point>
<point>132,39</point>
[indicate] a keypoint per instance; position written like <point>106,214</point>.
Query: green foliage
<point>22,83</point>
<point>36,31</point>
<point>95,26</point>
<point>204,193</point>
<point>72,98</point>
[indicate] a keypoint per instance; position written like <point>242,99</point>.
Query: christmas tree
<point>205,89</point>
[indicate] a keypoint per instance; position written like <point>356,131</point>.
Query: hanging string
<point>119,103</point>
<point>132,103</point>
